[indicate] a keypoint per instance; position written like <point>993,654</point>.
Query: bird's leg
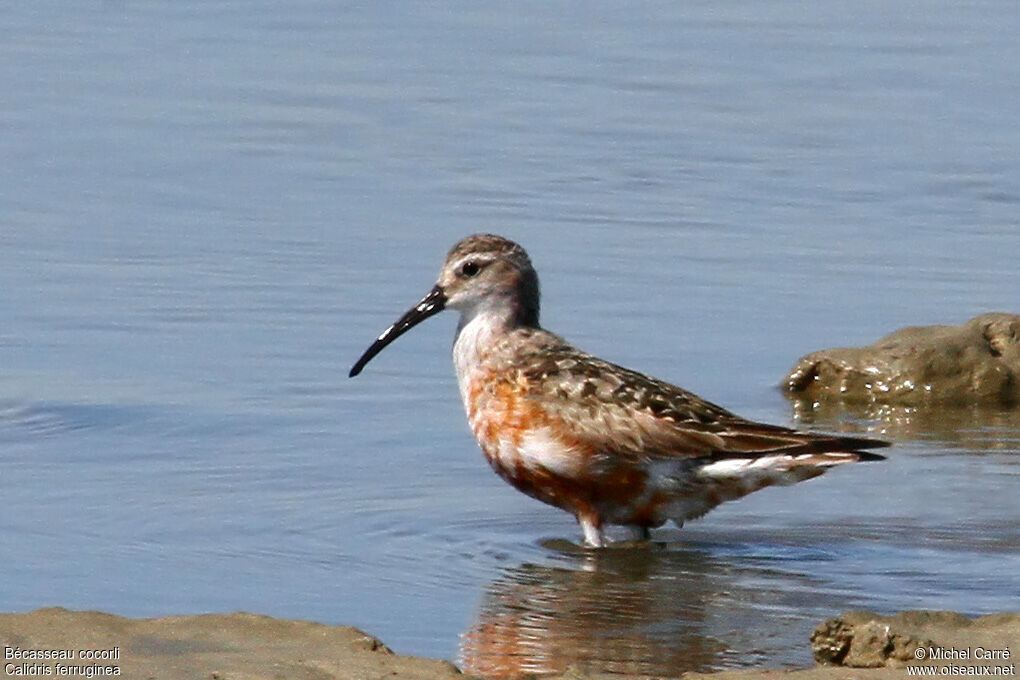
<point>591,525</point>
<point>638,533</point>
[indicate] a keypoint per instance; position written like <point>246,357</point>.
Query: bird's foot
<point>594,537</point>
<point>638,533</point>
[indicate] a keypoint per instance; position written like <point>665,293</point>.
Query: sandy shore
<point>251,647</point>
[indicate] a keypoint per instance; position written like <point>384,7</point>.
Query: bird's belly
<point>540,465</point>
<point>616,490</point>
<point>531,450</point>
<point>569,476</point>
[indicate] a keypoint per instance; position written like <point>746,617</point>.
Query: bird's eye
<point>469,269</point>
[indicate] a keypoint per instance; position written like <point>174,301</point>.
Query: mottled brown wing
<point>615,410</point>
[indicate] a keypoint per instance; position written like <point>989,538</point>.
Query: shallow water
<point>208,210</point>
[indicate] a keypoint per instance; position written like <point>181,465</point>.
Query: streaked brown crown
<point>509,269</point>
<point>494,244</point>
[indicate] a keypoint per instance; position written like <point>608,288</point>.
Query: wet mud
<point>244,646</point>
<point>975,363</point>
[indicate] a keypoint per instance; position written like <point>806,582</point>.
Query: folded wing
<point>616,411</point>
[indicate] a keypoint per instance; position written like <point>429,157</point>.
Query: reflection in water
<point>642,609</point>
<point>974,428</point>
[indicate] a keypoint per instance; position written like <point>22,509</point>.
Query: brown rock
<point>830,641</point>
<point>225,646</point>
<point>251,647</point>
<point>975,363</point>
<point>866,640</point>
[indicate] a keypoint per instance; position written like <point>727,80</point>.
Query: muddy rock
<point>864,639</point>
<point>236,646</point>
<point>243,646</point>
<point>977,362</point>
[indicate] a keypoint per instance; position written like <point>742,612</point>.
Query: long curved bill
<point>431,304</point>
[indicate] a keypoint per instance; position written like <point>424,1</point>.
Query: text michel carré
<point>967,653</point>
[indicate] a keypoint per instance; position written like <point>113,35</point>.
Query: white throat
<point>477,332</point>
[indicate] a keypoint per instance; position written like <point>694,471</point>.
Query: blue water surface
<point>209,209</point>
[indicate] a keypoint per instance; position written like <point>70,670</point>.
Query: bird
<point>609,445</point>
